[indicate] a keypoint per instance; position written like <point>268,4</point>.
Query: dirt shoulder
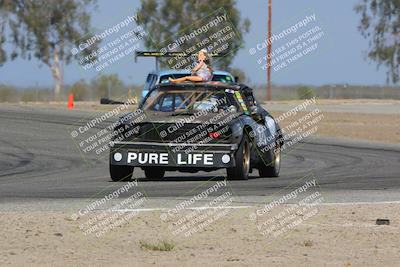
<point>374,127</point>
<point>336,235</point>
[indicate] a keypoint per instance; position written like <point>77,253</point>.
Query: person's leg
<point>178,80</point>
<point>194,78</point>
<point>186,78</point>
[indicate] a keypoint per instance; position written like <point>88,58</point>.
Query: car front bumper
<point>146,154</point>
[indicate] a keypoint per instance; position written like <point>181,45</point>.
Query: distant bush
<point>8,93</point>
<point>28,96</point>
<point>108,86</point>
<point>305,92</point>
<point>80,90</point>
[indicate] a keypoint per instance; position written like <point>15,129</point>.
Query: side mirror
<point>236,79</point>
<point>256,115</point>
<point>253,110</point>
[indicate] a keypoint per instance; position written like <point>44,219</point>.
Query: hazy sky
<point>339,57</point>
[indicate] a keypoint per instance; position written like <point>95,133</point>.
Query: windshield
<point>222,78</point>
<point>192,100</point>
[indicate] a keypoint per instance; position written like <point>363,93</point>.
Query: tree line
<point>103,86</point>
<point>48,30</point>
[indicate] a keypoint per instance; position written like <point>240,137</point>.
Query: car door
<point>265,125</point>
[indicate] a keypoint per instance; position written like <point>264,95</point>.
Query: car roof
<point>203,86</point>
<point>183,71</point>
<point>197,85</point>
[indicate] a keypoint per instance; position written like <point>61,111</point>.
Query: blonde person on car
<point>202,71</point>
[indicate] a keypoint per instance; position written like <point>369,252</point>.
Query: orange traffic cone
<point>70,104</point>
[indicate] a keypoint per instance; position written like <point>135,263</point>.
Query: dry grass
<point>374,127</point>
<point>163,245</point>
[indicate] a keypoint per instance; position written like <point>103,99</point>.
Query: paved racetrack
<point>38,160</point>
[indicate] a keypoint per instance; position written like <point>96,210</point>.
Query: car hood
<point>197,117</point>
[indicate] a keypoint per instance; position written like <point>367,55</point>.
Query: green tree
<point>380,23</point>
<point>46,30</point>
<point>169,20</point>
<point>7,93</point>
<point>79,89</point>
<point>305,92</point>
<point>108,86</point>
<point>28,96</point>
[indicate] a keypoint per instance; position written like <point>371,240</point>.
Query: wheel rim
<point>246,157</point>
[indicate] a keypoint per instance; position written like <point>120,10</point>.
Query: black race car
<point>193,127</point>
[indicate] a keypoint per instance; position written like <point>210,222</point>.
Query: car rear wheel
<point>121,173</point>
<point>154,173</point>
<point>242,160</point>
<point>272,169</point>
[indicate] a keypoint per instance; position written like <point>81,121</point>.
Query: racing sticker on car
<point>163,158</point>
<point>241,102</point>
<point>168,159</point>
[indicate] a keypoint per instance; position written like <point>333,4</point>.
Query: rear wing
<point>158,54</point>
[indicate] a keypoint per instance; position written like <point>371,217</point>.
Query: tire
<point>274,167</point>
<point>154,173</point>
<point>121,173</point>
<point>242,160</point>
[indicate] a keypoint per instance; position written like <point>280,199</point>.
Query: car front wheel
<point>121,173</point>
<point>154,173</point>
<point>271,169</point>
<point>242,160</point>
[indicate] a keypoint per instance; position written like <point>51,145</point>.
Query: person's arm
<point>198,66</point>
